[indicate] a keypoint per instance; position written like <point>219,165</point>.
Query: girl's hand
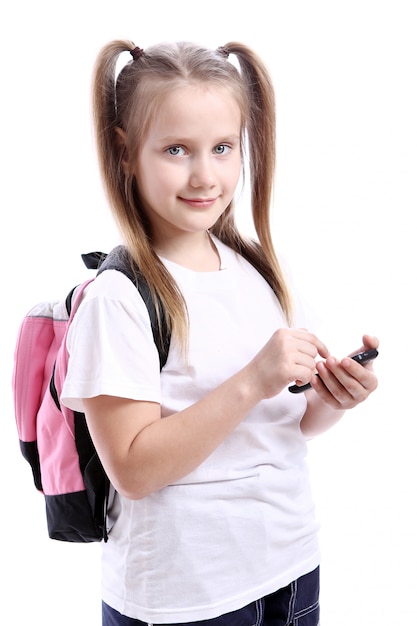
<point>289,355</point>
<point>344,384</point>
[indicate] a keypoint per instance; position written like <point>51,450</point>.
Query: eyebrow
<point>178,139</point>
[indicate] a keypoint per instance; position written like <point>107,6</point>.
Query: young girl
<point>213,520</point>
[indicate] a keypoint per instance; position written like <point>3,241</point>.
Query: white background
<point>345,203</point>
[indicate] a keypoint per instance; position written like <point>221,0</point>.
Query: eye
<point>221,149</point>
<point>176,150</point>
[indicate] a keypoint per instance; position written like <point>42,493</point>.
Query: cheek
<point>158,189</point>
<point>150,181</point>
<point>236,171</point>
<point>239,172</point>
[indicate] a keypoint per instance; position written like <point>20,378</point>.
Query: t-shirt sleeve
<point>110,345</point>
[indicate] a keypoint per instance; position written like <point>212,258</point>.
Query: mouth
<point>199,203</point>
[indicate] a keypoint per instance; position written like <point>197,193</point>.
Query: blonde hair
<point>129,102</point>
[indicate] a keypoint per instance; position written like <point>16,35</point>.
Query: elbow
<point>130,494</point>
<point>133,489</point>
<point>134,484</point>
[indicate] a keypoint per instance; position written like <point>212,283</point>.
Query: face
<point>189,165</point>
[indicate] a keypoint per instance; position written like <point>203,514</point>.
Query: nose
<point>202,173</point>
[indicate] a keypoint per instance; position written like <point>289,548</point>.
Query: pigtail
<point>105,116</point>
<point>261,136</point>
<point>114,98</point>
<point>261,129</point>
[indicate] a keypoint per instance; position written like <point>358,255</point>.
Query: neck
<point>197,253</point>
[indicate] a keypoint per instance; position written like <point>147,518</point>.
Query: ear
<point>121,144</point>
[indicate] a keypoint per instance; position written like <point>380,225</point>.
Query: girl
<point>213,520</point>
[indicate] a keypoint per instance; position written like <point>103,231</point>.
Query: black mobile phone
<point>362,358</point>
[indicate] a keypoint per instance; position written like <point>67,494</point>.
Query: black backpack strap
<point>120,259</point>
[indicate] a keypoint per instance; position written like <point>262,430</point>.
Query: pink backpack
<point>53,439</point>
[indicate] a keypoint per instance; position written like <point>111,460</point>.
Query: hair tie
<point>136,53</point>
<point>223,51</point>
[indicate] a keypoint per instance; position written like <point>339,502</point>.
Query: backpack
<point>54,439</point>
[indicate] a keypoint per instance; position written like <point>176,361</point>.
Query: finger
<point>347,380</point>
<point>313,341</point>
<point>330,390</point>
<point>369,342</point>
<point>362,374</point>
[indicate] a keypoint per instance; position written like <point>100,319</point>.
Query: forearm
<point>143,453</point>
<point>319,416</point>
<point>165,450</point>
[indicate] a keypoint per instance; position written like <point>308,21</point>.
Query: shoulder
<point>112,296</point>
<point>112,285</point>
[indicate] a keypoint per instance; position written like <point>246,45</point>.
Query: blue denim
<point>294,605</point>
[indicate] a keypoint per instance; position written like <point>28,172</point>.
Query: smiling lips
<point>199,203</point>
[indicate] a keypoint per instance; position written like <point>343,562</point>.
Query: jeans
<point>294,605</point>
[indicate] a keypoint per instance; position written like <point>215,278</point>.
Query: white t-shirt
<point>242,524</point>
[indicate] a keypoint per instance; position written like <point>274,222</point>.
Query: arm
<point>143,453</point>
<point>339,386</point>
